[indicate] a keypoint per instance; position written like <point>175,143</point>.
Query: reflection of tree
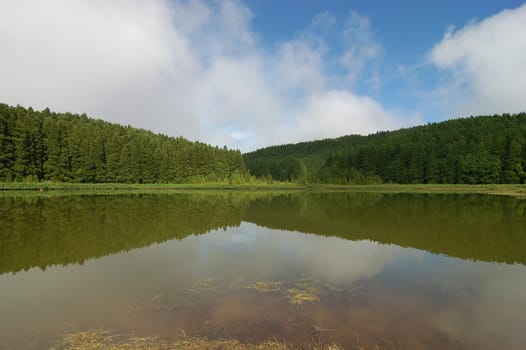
<point>490,228</point>
<point>62,230</point>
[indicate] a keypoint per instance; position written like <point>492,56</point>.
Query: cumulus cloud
<point>486,64</point>
<point>120,60</point>
<point>190,68</point>
<point>299,64</point>
<point>342,110</point>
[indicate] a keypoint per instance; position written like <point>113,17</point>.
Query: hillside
<point>42,145</point>
<point>485,149</point>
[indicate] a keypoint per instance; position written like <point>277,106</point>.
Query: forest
<point>474,150</point>
<point>64,147</point>
<point>47,146</point>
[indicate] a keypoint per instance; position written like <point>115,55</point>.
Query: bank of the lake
<point>32,188</point>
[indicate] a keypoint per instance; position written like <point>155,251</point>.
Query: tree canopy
<point>475,150</point>
<point>42,145</point>
<point>47,146</point>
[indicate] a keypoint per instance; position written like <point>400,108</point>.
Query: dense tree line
<point>41,145</point>
<point>475,150</point>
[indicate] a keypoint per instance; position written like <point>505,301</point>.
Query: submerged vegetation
<point>287,307</point>
<point>208,292</point>
<point>103,340</point>
<point>296,292</point>
<point>267,287</point>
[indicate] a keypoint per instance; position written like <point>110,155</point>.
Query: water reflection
<point>476,227</point>
<point>62,230</point>
<point>203,254</point>
<point>490,307</point>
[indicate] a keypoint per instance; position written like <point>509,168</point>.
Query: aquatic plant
<point>297,292</point>
<point>266,287</point>
<point>103,340</point>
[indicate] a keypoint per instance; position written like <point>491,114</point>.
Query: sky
<point>253,73</point>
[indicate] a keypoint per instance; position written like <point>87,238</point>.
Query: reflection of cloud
<point>491,304</point>
<point>339,260</point>
<point>255,252</point>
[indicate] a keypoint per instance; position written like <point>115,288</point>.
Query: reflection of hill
<point>62,230</point>
<point>477,227</point>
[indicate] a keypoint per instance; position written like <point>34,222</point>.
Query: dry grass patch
<point>103,340</point>
<point>266,287</point>
<point>297,292</point>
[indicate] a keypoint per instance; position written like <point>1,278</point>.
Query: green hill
<point>475,150</point>
<point>41,145</point>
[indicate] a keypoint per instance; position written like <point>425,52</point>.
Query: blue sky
<point>407,30</point>
<point>253,73</point>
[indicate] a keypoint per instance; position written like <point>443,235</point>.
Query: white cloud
<point>486,60</point>
<point>327,114</point>
<point>360,45</point>
<point>235,104</point>
<point>120,60</point>
<point>190,68</point>
<point>298,65</point>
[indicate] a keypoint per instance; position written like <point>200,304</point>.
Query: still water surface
<point>401,271</point>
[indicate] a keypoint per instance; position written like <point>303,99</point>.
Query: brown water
<point>398,271</point>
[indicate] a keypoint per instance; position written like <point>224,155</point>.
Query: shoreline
<point>22,188</point>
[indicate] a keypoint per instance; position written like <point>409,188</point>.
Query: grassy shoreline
<point>21,188</point>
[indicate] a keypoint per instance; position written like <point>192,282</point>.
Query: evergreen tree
<point>487,149</point>
<point>512,171</point>
<point>64,147</point>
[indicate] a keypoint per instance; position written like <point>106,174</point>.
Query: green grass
<point>43,188</point>
<point>495,189</point>
<point>64,188</point>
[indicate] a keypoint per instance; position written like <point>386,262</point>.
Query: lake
<point>397,271</point>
